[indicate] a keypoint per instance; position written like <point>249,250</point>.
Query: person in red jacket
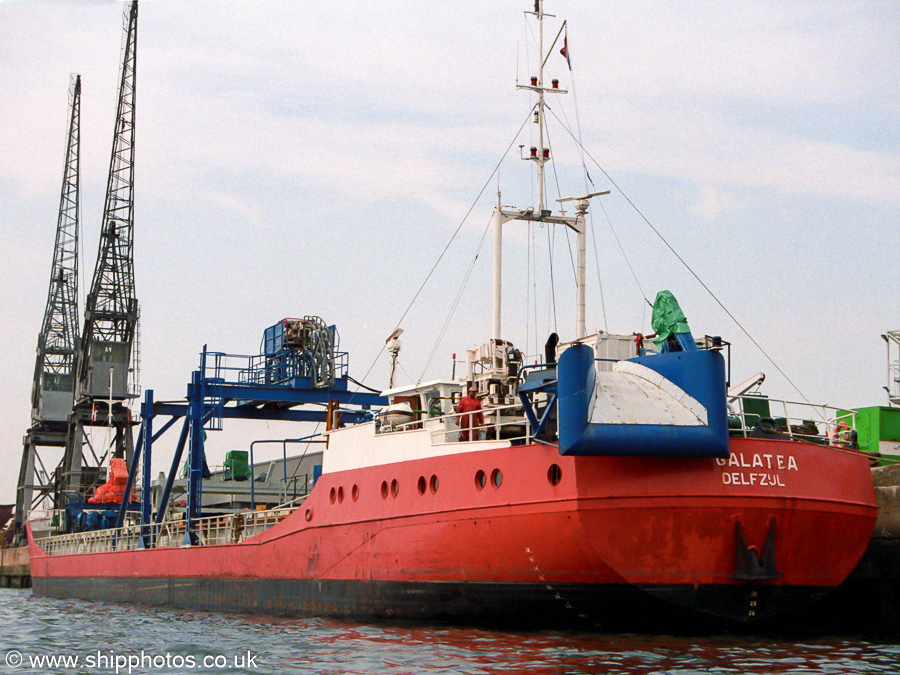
<point>468,423</point>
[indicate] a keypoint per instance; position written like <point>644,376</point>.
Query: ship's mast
<point>540,155</point>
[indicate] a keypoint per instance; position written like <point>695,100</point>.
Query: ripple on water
<point>47,626</point>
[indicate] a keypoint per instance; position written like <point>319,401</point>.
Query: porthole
<point>341,494</point>
<point>395,487</point>
<point>384,491</point>
<point>421,485</point>
<point>480,479</point>
<point>554,474</point>
<point>355,492</point>
<point>308,515</point>
<point>496,478</point>
<point>332,495</point>
<point>434,484</point>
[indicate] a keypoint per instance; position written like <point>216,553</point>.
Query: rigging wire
<point>599,280</point>
<point>588,179</point>
<point>455,303</point>
<point>587,188</point>
<point>624,255</point>
<point>684,263</point>
<point>405,372</point>
<point>559,194</point>
<point>452,238</point>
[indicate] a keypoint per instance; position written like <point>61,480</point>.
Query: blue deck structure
<point>300,376</point>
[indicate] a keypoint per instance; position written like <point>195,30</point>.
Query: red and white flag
<point>565,49</point>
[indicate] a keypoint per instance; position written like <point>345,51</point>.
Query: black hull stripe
<point>580,606</point>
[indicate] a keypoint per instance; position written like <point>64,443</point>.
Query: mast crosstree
<point>540,156</point>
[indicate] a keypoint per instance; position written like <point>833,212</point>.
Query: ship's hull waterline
<point>520,534</point>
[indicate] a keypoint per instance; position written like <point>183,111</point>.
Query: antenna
<point>583,198</point>
<point>393,346</point>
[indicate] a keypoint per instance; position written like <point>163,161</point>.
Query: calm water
<point>115,638</point>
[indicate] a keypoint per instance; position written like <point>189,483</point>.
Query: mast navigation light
<point>555,84</point>
<point>534,80</point>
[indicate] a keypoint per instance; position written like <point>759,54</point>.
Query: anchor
<point>750,565</point>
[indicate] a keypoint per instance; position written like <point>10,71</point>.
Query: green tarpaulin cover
<point>668,318</point>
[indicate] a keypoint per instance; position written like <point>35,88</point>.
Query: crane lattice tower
<point>53,389</point>
<point>104,373</point>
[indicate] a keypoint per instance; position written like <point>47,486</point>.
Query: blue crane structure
<point>105,375</point>
<point>300,375</point>
<point>53,389</point>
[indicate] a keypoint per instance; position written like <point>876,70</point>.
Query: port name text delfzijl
<point>757,461</point>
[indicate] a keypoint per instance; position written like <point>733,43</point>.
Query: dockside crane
<point>53,389</point>
<point>104,372</point>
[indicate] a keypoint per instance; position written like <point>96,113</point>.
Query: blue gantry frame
<point>228,387</point>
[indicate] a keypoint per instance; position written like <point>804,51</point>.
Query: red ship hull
<point>608,530</point>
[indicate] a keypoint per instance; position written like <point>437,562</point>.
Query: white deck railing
<point>797,420</point>
<point>232,528</point>
<point>507,422</point>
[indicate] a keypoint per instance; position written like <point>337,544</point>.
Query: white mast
<point>580,227</point>
<point>541,155</point>
<point>497,220</point>
<point>539,12</point>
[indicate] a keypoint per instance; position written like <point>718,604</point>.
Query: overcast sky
<point>302,158</point>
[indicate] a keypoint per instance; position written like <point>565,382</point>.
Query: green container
<point>877,428</point>
<point>237,465</point>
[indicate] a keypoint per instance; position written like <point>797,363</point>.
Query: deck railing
<point>507,422</point>
<point>231,528</point>
<point>796,420</point>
